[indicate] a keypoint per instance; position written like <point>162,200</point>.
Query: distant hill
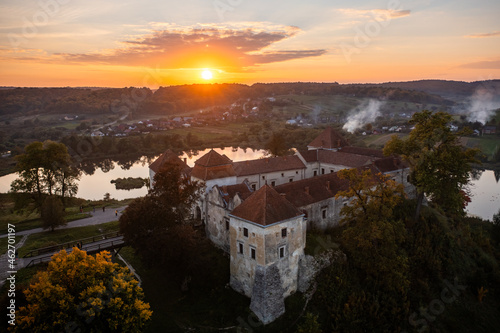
<point>168,100</point>
<point>447,89</point>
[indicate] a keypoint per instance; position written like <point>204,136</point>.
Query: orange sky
<point>153,43</point>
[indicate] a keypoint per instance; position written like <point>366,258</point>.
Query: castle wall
<point>278,177</point>
<point>268,244</point>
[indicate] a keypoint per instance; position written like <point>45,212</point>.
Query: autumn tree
<point>439,165</point>
<point>52,213</point>
<point>79,292</point>
<point>372,241</point>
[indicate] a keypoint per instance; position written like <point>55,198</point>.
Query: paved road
<point>98,217</point>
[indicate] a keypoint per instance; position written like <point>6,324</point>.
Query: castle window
<point>290,180</point>
<point>253,186</point>
<point>408,178</point>
<point>227,223</point>
<point>245,232</point>
<point>263,177</point>
<point>240,248</point>
<point>296,172</point>
<point>281,251</point>
<point>315,172</point>
<point>283,232</point>
<point>273,183</point>
<point>323,213</point>
<point>282,174</point>
<point>322,171</point>
<point>252,252</point>
<point>331,170</point>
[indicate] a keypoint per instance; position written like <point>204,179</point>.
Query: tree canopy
<point>79,292</point>
<point>155,225</point>
<point>45,168</point>
<point>52,213</point>
<point>439,165</point>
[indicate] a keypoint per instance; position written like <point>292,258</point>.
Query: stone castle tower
<point>267,240</point>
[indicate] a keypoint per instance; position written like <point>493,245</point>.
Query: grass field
<point>488,144</point>
<point>50,238</point>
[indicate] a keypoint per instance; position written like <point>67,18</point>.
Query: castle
<point>259,210</point>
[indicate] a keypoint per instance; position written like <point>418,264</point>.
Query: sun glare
<point>206,74</point>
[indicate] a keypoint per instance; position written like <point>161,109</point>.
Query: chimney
<point>306,189</point>
<point>328,185</point>
<point>185,160</point>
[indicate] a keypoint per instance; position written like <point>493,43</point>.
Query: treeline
<point>175,99</point>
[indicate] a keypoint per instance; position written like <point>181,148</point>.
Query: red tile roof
<point>169,157</point>
<point>308,191</point>
<point>389,164</point>
<point>363,151</point>
<point>265,165</point>
<point>266,207</point>
<point>214,172</point>
<point>228,192</point>
<point>328,139</point>
<point>213,158</point>
<point>336,158</point>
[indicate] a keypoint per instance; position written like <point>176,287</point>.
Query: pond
<point>96,181</point>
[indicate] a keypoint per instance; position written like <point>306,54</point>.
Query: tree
<point>52,213</point>
<point>376,274</point>
<point>45,168</point>
<point>79,292</point>
<point>276,146</point>
<point>439,165</point>
<point>373,237</point>
<point>155,225</point>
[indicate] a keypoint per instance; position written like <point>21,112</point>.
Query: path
<point>94,247</point>
<point>98,217</point>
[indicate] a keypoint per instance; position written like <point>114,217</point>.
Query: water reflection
<point>485,195</point>
<point>97,174</point>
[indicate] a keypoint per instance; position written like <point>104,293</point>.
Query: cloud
<point>378,14</point>
<point>232,47</point>
<point>484,35</point>
<point>487,64</point>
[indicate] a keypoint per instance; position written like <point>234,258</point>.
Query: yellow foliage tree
<point>82,293</point>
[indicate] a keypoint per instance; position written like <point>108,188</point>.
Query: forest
<point>174,99</point>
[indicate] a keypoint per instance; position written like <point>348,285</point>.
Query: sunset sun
<point>206,74</point>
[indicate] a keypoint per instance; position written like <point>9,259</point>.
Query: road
<point>98,217</point>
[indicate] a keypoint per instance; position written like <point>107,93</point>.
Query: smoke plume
<point>482,105</point>
<point>364,113</point>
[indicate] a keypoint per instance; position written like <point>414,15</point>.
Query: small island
<point>129,183</point>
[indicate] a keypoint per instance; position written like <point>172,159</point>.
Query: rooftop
<point>265,165</point>
<point>213,158</point>
<point>328,139</point>
<point>266,207</point>
<point>169,157</point>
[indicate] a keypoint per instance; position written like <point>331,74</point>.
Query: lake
<point>93,187</point>
<point>485,190</point>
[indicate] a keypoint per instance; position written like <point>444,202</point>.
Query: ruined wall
<point>217,215</point>
<point>324,214</point>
